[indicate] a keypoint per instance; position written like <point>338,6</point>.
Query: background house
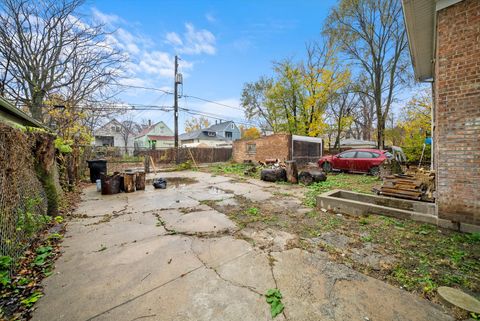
<point>109,135</point>
<point>156,136</point>
<point>219,135</point>
<point>227,129</point>
<point>349,143</point>
<point>444,45</point>
<point>117,134</point>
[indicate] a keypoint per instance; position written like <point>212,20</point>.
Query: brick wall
<point>457,112</point>
<point>272,146</point>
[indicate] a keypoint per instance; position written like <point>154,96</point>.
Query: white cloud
<point>174,39</point>
<point>105,18</point>
<point>210,17</point>
<point>157,63</point>
<point>195,42</point>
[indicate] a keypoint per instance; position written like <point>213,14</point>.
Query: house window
<point>251,148</point>
<point>211,134</point>
<point>228,135</point>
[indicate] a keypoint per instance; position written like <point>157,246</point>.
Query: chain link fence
<point>23,201</point>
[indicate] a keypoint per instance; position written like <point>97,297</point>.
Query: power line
<point>215,116</point>
<point>214,102</point>
<point>141,87</point>
<point>171,93</point>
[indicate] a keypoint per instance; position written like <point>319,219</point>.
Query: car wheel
<point>327,167</point>
<point>375,171</point>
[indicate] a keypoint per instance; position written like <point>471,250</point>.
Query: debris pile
<point>273,170</point>
<point>416,186</point>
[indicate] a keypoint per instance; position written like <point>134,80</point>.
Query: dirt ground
<point>210,246</point>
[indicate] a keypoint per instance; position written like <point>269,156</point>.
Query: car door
<point>363,161</point>
<point>344,161</point>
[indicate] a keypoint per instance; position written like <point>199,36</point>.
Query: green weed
<point>274,298</point>
<point>28,302</point>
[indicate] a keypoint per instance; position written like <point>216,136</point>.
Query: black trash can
<point>97,167</point>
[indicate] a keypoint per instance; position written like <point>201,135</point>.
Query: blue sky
<point>222,44</point>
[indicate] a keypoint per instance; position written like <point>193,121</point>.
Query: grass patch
<point>349,182</point>
<point>427,256</point>
<point>233,169</point>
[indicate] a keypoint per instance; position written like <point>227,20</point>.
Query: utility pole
<point>175,108</point>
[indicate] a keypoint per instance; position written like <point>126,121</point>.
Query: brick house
<point>283,147</point>
<point>444,40</point>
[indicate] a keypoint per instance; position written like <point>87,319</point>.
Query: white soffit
<point>419,20</point>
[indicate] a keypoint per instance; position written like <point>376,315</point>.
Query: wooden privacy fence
<point>201,155</point>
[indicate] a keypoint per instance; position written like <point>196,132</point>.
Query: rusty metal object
<point>140,181</point>
<point>110,184</point>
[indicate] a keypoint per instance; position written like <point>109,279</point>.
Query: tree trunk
<point>129,182</point>
<point>380,134</point>
<point>292,172</point>
<point>140,181</point>
<point>273,175</point>
<point>35,106</point>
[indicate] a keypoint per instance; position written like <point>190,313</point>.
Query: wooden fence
<point>201,155</point>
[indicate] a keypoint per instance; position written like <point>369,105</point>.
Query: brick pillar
<point>457,114</point>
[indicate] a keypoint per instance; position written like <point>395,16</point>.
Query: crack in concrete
<point>203,235</point>
<point>162,285</point>
<point>271,263</point>
<point>236,284</point>
<point>108,217</point>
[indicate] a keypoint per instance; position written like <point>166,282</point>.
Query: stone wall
<point>267,147</point>
<point>457,112</point>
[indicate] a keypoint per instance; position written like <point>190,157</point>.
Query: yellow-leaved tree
<point>416,122</point>
<point>250,133</point>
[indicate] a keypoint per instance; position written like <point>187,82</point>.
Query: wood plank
<point>401,196</point>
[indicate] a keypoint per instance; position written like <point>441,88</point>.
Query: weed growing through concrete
<point>274,298</point>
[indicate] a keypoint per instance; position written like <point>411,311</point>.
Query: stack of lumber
<point>403,186</point>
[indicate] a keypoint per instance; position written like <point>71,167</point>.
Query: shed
<point>303,149</point>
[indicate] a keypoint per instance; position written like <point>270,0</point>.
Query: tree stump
<point>273,175</point>
<point>140,181</point>
<point>129,182</point>
<point>292,172</point>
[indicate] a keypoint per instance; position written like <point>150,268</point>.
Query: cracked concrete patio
<point>166,255</point>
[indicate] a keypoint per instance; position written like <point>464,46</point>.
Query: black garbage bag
<point>160,183</point>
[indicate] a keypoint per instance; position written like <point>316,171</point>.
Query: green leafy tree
<point>416,123</point>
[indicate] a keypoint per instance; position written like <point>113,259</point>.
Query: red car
<point>355,160</point>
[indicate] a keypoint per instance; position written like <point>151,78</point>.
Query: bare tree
<point>340,110</point>
<point>46,49</point>
<point>372,34</point>
<point>128,129</point>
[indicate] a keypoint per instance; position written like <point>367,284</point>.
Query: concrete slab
<point>270,239</point>
<point>197,223</point>
<point>118,264</point>
<point>328,291</point>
